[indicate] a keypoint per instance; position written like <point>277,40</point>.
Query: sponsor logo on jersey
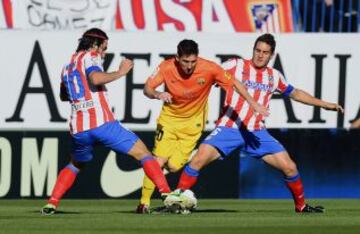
<point>257,86</point>
<point>82,105</point>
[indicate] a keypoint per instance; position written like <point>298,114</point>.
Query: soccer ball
<point>189,201</point>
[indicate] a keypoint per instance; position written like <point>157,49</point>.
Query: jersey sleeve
<point>222,77</point>
<point>156,78</point>
<point>283,86</point>
<point>92,62</point>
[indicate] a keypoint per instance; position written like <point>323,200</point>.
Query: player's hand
<point>125,66</point>
<point>333,107</point>
<point>261,110</point>
<point>164,96</point>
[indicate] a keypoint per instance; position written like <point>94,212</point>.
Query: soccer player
<point>240,127</point>
<point>83,86</point>
<point>188,80</point>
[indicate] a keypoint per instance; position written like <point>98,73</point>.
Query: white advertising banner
<point>64,14</point>
<point>325,65</point>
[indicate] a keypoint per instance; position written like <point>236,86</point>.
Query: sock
<point>146,191</point>
<point>188,178</point>
<point>297,190</point>
<point>153,170</point>
<point>64,181</point>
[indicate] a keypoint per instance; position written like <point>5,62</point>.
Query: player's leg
<point>147,190</point>
<point>205,154</point>
<point>165,143</point>
<point>222,140</point>
<point>286,165</point>
<point>261,144</point>
<point>122,140</point>
<point>184,150</point>
<point>81,153</point>
<point>219,142</point>
<point>276,156</point>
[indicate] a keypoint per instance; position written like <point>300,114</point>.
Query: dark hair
<point>91,37</point>
<point>268,39</point>
<point>187,47</point>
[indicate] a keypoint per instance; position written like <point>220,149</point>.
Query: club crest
<point>201,81</point>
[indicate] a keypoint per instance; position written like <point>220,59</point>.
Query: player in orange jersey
<point>188,80</point>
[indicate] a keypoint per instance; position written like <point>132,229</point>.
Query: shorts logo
<point>201,81</point>
<point>213,133</point>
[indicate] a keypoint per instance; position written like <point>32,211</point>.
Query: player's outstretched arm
<point>305,98</point>
<point>101,78</point>
<point>239,88</point>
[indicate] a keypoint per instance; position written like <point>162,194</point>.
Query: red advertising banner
<point>150,15</point>
<point>205,15</point>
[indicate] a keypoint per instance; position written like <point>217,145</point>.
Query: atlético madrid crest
<point>269,16</point>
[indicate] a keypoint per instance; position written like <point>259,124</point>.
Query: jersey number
<point>74,85</point>
<point>159,133</point>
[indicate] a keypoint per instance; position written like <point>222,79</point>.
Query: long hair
<point>91,37</point>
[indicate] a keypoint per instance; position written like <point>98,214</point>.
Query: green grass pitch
<point>212,216</point>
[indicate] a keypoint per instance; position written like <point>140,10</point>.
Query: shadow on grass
<point>196,211</point>
<point>57,212</point>
<point>215,211</point>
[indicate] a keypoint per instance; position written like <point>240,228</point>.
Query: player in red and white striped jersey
<point>240,127</point>
<point>261,84</point>
<point>83,85</point>
<point>89,103</point>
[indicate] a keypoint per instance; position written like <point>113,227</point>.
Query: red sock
<point>297,190</point>
<point>153,170</point>
<point>64,181</point>
<point>188,178</point>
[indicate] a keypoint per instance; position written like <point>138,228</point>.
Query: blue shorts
<point>254,143</point>
<point>110,134</point>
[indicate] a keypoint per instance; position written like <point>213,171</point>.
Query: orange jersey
<point>190,94</point>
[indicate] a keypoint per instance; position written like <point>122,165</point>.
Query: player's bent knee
<point>173,168</point>
<point>290,169</point>
<point>197,163</point>
<point>174,164</point>
<point>139,150</point>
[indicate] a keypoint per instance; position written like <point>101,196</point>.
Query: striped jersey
<point>89,104</point>
<point>261,84</point>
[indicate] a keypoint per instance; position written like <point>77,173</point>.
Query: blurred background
<point>317,50</point>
